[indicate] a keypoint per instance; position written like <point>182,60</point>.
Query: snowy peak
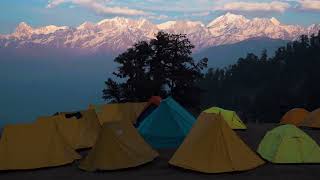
<point>24,30</point>
<point>237,28</point>
<point>166,25</point>
<point>49,29</point>
<point>275,21</point>
<point>23,26</point>
<point>86,25</point>
<point>144,23</point>
<point>116,21</point>
<point>227,24</point>
<point>313,29</point>
<point>226,19</point>
<point>197,32</point>
<point>121,23</point>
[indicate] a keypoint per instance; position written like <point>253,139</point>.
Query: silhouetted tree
<point>164,66</point>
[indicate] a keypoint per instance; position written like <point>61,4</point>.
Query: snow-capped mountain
<point>24,30</point>
<point>117,34</point>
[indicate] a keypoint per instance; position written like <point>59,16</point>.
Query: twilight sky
<point>74,12</point>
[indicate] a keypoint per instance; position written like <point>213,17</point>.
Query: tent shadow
<point>129,169</point>
<point>183,170</point>
<point>267,162</point>
<point>289,164</point>
<point>36,169</point>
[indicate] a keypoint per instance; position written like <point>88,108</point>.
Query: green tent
<point>288,144</point>
<point>231,117</point>
<point>167,125</point>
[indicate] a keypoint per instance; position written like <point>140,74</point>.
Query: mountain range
<point>117,34</point>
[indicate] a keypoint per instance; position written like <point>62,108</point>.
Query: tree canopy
<point>264,88</point>
<point>163,66</point>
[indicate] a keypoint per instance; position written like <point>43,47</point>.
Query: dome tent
<point>295,116</point>
<point>289,144</point>
<point>32,146</point>
<point>230,117</point>
<point>119,146</point>
<point>312,120</point>
<point>213,147</point>
<point>78,131</point>
<point>129,111</point>
<point>88,128</point>
<point>166,126</point>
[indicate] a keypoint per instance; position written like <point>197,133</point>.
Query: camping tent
<point>89,128</point>
<point>294,116</point>
<point>79,132</point>
<point>213,147</point>
<point>31,146</point>
<point>312,120</point>
<point>289,144</point>
<point>118,112</point>
<point>230,117</point>
<point>119,146</point>
<point>152,104</point>
<point>166,126</point>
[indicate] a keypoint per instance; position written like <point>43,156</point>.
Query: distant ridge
<point>224,55</point>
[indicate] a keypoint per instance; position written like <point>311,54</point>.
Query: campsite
<point>159,89</point>
<point>160,169</point>
<point>216,144</point>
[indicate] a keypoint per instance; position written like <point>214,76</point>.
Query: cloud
<point>310,4</point>
<point>163,9</point>
<point>274,6</point>
<point>99,6</point>
<point>157,17</point>
<point>201,14</point>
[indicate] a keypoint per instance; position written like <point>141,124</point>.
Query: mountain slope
<point>224,55</point>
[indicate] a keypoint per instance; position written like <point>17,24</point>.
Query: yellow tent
<point>312,120</point>
<point>213,147</point>
<point>119,146</point>
<point>295,116</point>
<point>31,146</point>
<point>79,133</point>
<point>229,116</point>
<point>117,112</point>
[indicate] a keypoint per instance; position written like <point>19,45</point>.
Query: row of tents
<point>302,118</point>
<point>127,135</point>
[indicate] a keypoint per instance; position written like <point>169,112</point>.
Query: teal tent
<point>167,125</point>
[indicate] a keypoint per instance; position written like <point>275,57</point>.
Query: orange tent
<point>156,100</point>
<point>312,120</point>
<point>294,116</point>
